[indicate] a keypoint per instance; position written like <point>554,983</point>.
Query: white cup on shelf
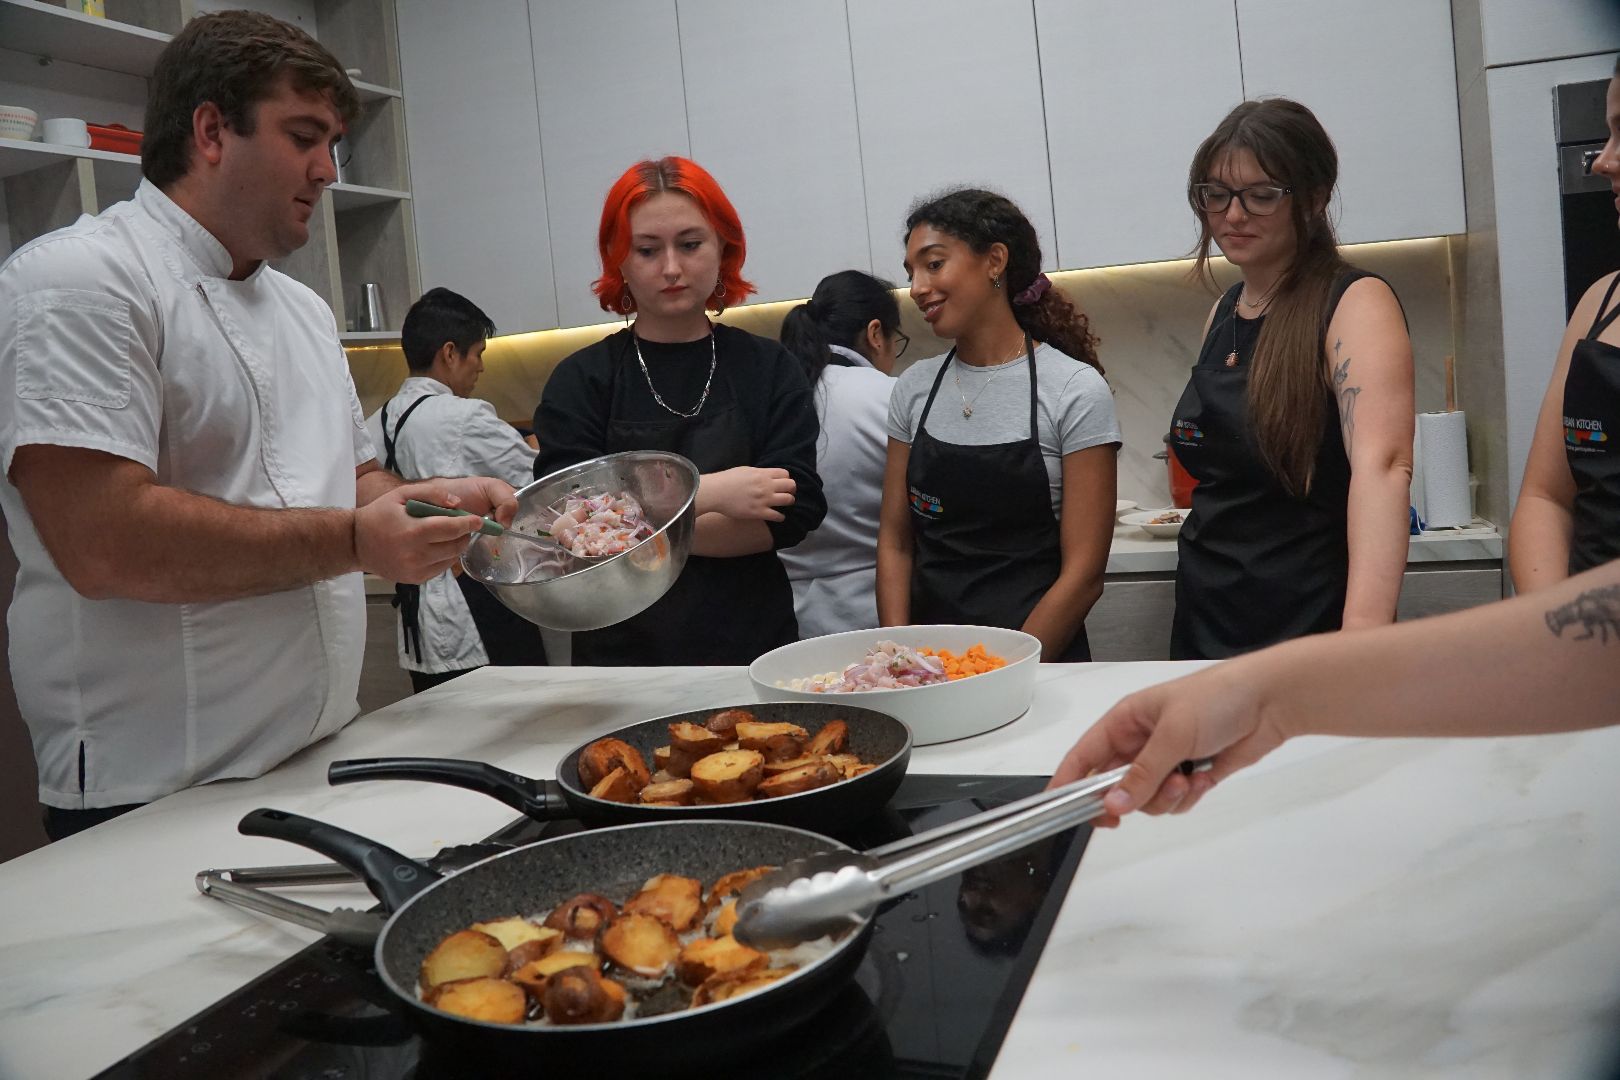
<point>67,131</point>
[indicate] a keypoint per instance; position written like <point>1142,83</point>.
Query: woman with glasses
<point>733,403</point>
<point>1568,515</point>
<point>847,338</point>
<point>998,497</point>
<point>1297,421</point>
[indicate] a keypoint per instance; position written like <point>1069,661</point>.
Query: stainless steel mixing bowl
<point>558,590</point>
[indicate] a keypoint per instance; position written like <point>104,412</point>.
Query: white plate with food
<point>944,682</point>
<point>1164,524</point>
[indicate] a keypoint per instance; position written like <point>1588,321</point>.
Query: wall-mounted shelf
<point>53,32</point>
<point>350,196</point>
<point>369,337</point>
<point>372,92</point>
<point>17,156</point>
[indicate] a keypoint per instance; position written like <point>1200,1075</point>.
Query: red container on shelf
<point>115,137</point>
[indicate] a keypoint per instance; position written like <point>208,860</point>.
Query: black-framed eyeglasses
<point>1257,199</point>
<point>904,341</point>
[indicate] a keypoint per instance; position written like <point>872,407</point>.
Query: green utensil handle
<point>417,508</point>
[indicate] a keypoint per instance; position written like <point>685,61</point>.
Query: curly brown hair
<point>980,218</point>
<point>234,59</point>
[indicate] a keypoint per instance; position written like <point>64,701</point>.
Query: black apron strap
<point>391,442</point>
<point>1605,315</point>
<point>929,404</point>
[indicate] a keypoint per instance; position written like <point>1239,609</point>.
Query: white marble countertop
<point>1345,909</point>
<point>1135,552</point>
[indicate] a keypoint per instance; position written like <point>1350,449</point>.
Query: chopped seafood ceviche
<point>597,524</point>
<point>892,666</point>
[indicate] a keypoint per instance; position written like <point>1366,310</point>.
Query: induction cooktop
<point>933,997</point>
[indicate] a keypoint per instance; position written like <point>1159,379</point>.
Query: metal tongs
<point>824,894</point>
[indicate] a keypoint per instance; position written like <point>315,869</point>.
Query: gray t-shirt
<point>1074,407</point>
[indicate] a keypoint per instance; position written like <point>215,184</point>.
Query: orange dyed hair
<point>647,178</point>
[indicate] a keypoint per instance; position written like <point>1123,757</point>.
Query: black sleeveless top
<point>1256,565</point>
<point>1591,426</point>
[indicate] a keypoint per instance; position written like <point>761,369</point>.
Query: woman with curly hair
<point>998,496</point>
<point>737,405</point>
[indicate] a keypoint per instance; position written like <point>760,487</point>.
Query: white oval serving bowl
<point>935,714</point>
<point>1143,519</point>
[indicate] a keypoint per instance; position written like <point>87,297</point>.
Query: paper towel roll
<point>1442,497</point>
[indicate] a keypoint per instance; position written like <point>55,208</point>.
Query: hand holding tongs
<point>810,898</point>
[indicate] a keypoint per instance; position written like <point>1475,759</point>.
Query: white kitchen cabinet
<point>771,110</point>
<point>476,169</point>
<point>1123,118</point>
<point>608,74</point>
<point>1519,31</point>
<point>1380,76</point>
<point>948,93</point>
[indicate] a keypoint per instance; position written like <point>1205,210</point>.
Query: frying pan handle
<point>519,792</point>
<point>391,877</point>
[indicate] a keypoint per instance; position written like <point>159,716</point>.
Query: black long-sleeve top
<point>758,412</point>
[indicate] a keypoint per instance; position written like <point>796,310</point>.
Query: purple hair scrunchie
<point>1032,293</point>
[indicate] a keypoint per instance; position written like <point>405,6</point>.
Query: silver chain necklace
<point>714,357</point>
<point>956,376</point>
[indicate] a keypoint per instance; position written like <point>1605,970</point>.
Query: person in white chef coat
<point>190,490</point>
<point>847,337</point>
<point>450,625</point>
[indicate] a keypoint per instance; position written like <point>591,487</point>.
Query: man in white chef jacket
<point>433,426</point>
<point>190,490</point>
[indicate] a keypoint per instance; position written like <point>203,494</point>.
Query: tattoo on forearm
<point>1596,611</point>
<point>1347,397</point>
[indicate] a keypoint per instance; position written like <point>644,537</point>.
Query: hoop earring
<point>627,303</point>
<point>719,288</point>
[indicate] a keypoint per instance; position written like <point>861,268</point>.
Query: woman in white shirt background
<point>848,338</point>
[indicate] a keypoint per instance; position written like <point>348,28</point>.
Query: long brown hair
<point>980,218</point>
<point>1288,382</point>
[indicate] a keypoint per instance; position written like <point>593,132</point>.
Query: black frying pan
<point>876,737</point>
<point>531,881</point>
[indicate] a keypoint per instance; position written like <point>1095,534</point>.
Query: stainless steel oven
<point>1591,235</point>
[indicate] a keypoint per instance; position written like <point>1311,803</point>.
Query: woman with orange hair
<point>736,404</point>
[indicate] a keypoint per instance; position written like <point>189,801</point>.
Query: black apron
<point>1591,426</point>
<point>985,543</point>
<point>719,611</point>
<point>1255,565</point>
<point>509,639</point>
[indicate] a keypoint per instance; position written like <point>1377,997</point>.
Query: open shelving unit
<point>363,231</point>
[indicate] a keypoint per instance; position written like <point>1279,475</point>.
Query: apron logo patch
<point>1582,434</point>
<point>926,505</point>
<point>1186,431</point>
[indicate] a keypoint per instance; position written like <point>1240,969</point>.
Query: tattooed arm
<point>1543,521</point>
<point>1535,664</point>
<point>1369,360</point>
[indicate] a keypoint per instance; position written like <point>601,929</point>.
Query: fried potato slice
<point>843,762</point>
<point>676,900</point>
<point>582,916</point>
<point>726,720</point>
<point>642,944</point>
<point>831,739</point>
<point>494,1001</point>
<point>728,985</point>
<point>530,951</point>
<point>729,776</point>
<point>793,781</point>
<point>465,954</point>
<point>581,995</point>
<point>516,930</point>
<point>695,739</point>
<point>774,767</point>
<point>677,763</point>
<point>857,769</point>
<point>534,975</point>
<point>755,736</point>
<point>669,793</point>
<point>706,957</point>
<point>617,786</point>
<point>604,755</point>
<point>728,885</point>
<point>726,921</point>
